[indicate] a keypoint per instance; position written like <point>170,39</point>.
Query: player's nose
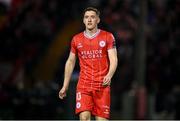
<point>89,19</point>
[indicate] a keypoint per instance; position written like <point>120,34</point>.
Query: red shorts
<point>97,102</point>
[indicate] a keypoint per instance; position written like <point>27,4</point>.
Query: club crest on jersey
<point>102,43</point>
<point>78,105</point>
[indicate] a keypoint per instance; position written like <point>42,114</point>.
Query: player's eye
<point>86,17</point>
<point>93,17</point>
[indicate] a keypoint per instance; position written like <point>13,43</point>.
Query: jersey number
<point>78,95</point>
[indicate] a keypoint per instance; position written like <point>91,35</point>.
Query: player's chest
<point>89,44</point>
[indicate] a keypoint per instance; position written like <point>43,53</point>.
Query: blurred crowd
<point>28,27</point>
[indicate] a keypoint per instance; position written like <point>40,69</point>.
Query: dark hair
<point>92,9</point>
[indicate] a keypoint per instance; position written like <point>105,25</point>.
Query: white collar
<point>91,36</point>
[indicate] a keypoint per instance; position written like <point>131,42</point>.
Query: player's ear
<point>83,21</point>
<point>98,21</point>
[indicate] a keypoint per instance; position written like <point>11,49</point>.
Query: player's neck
<point>91,33</point>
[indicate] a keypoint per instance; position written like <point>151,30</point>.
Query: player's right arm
<point>69,67</point>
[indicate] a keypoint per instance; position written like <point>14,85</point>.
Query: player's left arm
<point>112,55</point>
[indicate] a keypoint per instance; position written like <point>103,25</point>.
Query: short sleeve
<point>73,47</point>
<point>111,41</point>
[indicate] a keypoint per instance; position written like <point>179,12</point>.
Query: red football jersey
<point>93,57</point>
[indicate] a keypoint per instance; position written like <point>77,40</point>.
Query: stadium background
<point>34,45</point>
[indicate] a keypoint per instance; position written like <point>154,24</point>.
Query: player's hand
<point>107,80</point>
<point>62,93</point>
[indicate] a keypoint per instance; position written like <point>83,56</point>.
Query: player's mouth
<point>89,23</point>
